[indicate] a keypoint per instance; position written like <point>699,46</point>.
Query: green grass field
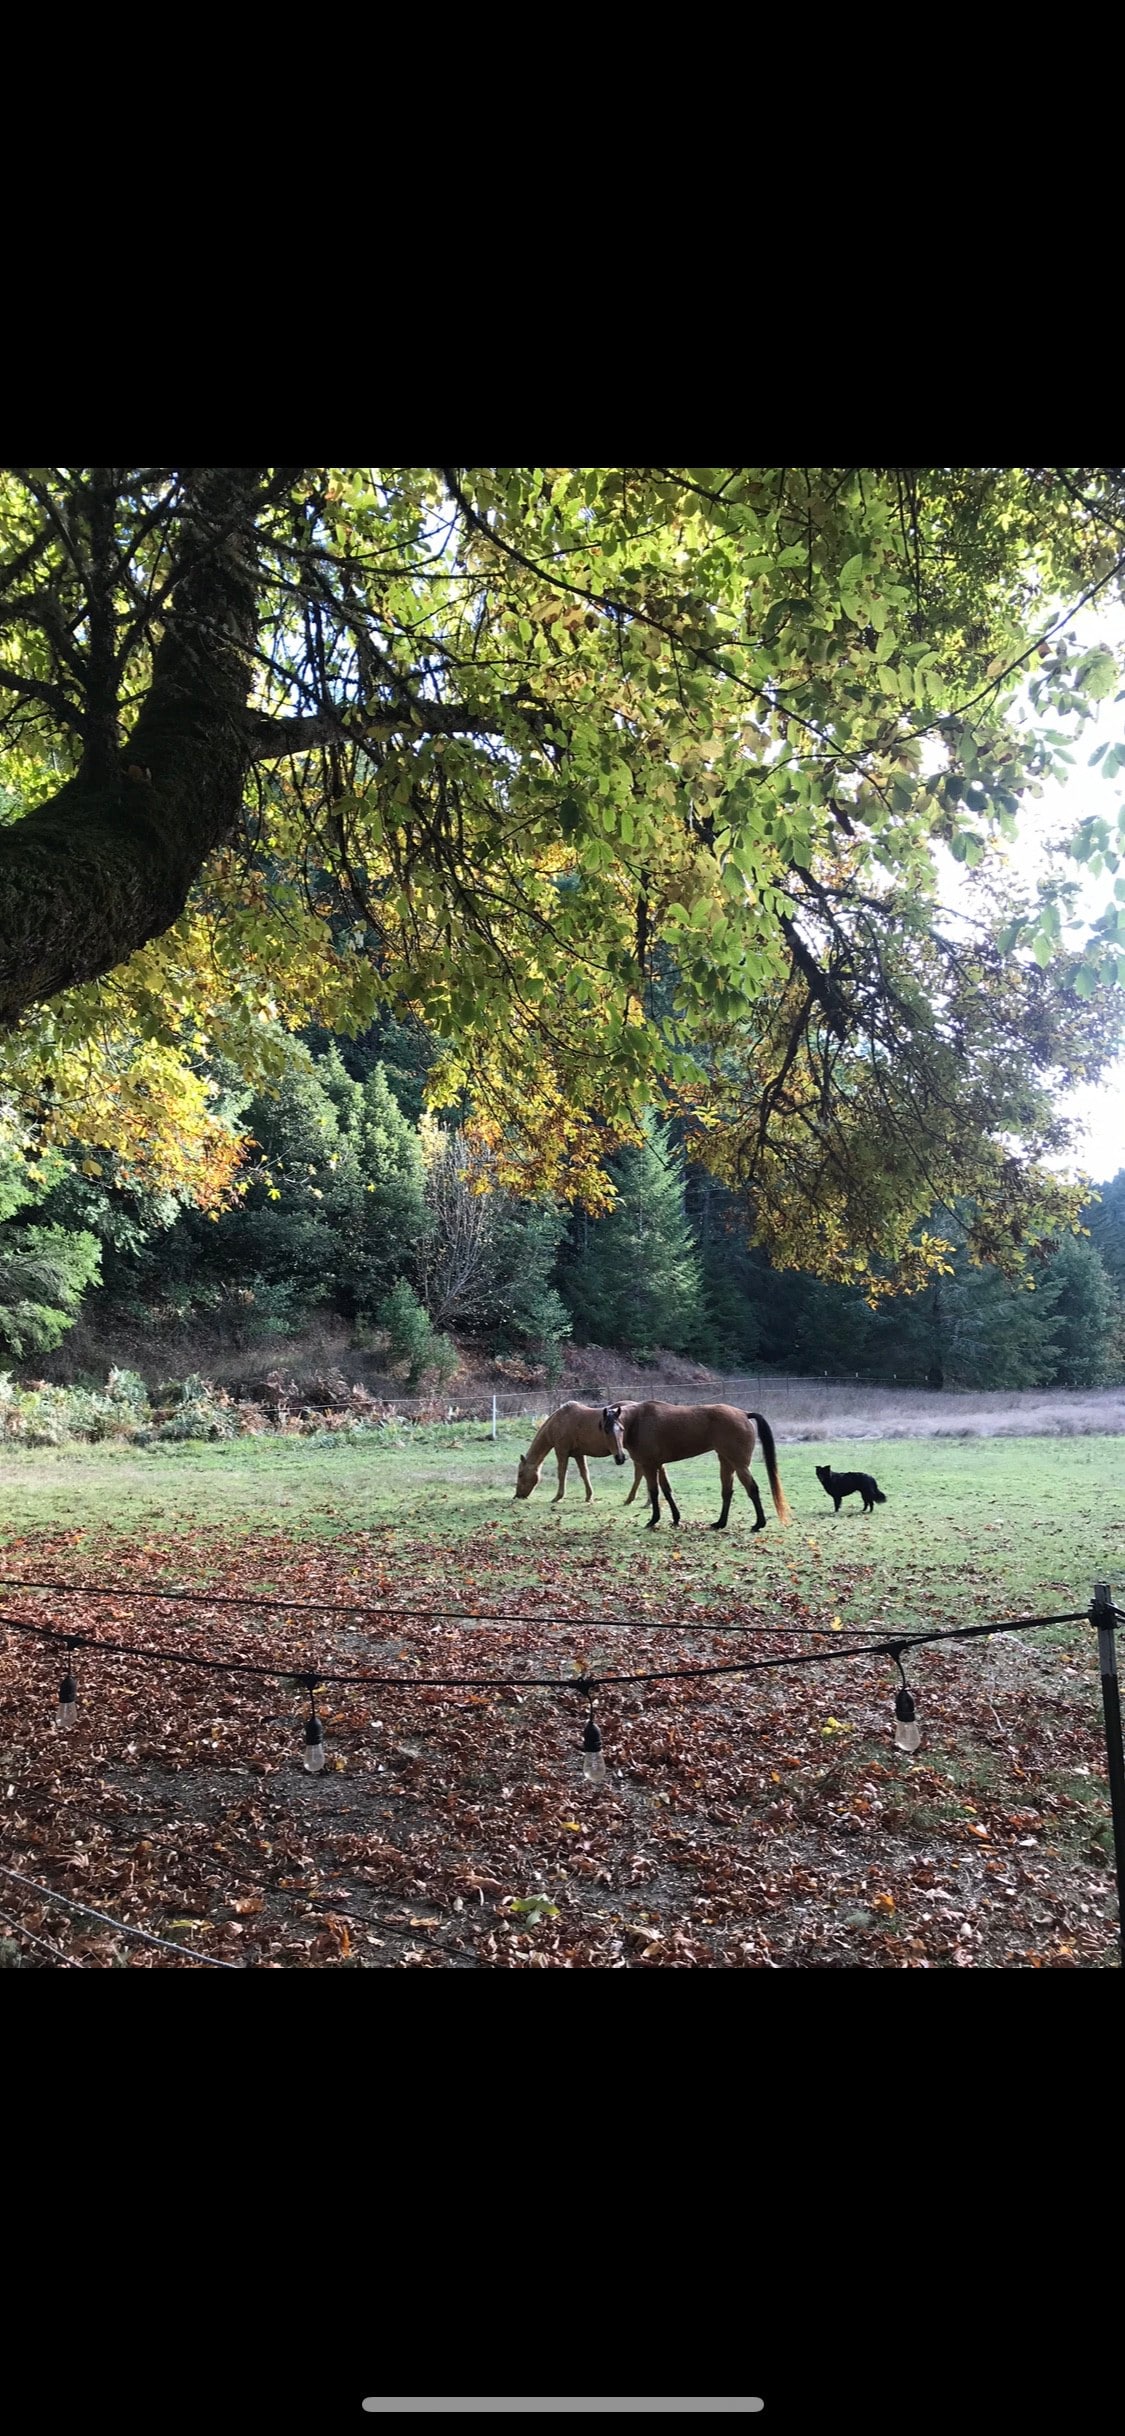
<point>1023,1523</point>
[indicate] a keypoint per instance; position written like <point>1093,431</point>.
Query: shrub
<point>412,1339</point>
<point>200,1410</point>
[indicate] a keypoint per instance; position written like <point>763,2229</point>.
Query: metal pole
<point>1103,1614</point>
<point>494,1416</point>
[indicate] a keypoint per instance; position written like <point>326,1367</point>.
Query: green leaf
<point>1096,675</point>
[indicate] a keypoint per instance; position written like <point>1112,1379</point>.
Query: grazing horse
<point>578,1430</point>
<point>656,1434</point>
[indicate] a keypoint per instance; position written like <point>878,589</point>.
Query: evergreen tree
<point>44,1270</point>
<point>836,1331</point>
<point>291,1232</point>
<point>1085,1314</point>
<point>405,1051</point>
<point>526,1306</point>
<point>391,1203</point>
<point>973,1328</point>
<point>1106,1221</point>
<point>44,1273</point>
<point>258,1268</point>
<point>634,1278</point>
<point>412,1337</point>
<point>340,1086</point>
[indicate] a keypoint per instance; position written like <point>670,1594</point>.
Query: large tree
<point>630,785</point>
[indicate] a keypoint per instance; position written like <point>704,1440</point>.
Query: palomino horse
<point>656,1434</point>
<point>577,1430</point>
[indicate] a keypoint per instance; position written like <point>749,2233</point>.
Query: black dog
<point>848,1484</point>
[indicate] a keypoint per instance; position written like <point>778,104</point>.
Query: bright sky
<point>1057,814</point>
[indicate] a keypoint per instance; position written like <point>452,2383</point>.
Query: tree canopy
<point>638,788</point>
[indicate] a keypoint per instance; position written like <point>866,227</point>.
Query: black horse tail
<point>765,1433</point>
<point>878,1496</point>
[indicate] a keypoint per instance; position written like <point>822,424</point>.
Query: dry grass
<point>803,1409</point>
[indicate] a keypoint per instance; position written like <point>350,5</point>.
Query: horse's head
<point>611,1423</point>
<point>526,1476</point>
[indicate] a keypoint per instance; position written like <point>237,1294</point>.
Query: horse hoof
<point>719,1526</point>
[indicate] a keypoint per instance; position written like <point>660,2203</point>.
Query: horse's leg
<point>638,1476</point>
<point>673,1508</point>
<point>727,1476</point>
<point>751,1487</point>
<point>651,1479</point>
<point>584,1476</point>
<point>562,1461</point>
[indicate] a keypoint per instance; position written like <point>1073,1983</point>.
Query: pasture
<point>749,1820</point>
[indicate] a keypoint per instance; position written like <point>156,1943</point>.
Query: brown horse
<point>577,1430</point>
<point>656,1434</point>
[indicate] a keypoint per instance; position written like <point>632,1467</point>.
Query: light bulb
<point>314,1746</point>
<point>907,1734</point>
<point>68,1701</point>
<point>593,1764</point>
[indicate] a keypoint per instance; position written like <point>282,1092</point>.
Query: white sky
<point>1056,814</point>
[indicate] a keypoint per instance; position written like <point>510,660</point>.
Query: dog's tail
<point>878,1496</point>
<point>765,1433</point>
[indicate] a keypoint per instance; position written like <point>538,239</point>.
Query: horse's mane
<point>541,1442</point>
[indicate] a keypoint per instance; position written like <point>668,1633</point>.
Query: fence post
<point>1103,1614</point>
<point>494,1416</point>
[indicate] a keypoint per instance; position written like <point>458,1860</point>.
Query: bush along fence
<point>1102,1613</point>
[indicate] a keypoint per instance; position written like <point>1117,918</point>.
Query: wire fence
<point>533,1402</point>
<point>740,1388</point>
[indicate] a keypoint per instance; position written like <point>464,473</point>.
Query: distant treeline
<point>360,1207</point>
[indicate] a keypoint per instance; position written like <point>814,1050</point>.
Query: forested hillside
<point>359,1210</point>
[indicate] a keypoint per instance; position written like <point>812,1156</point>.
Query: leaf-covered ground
<point>756,1819</point>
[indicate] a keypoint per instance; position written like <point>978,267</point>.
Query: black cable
<point>431,1615</point>
<point>736,1666</point>
<point>382,1614</point>
<point>210,1962</point>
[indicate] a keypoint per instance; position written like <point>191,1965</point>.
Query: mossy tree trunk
<point>107,862</point>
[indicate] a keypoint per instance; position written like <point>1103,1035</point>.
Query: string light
<point>907,1732</point>
<point>908,1735</point>
<point>314,1731</point>
<point>593,1765</point>
<point>68,1693</point>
